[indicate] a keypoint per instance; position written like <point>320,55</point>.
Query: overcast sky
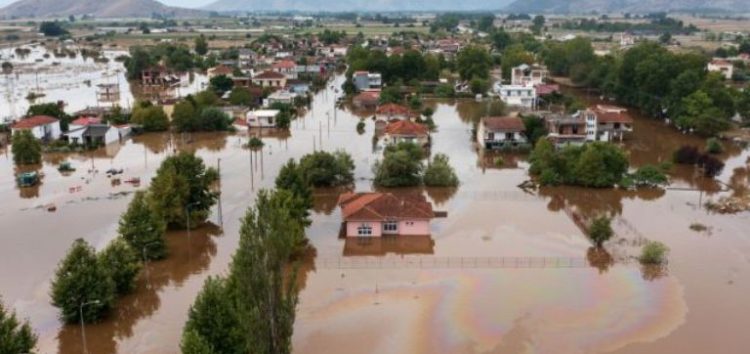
<point>183,3</point>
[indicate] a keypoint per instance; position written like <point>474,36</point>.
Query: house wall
<point>395,139</point>
<point>352,226</point>
<point>414,227</point>
<point>112,136</point>
<point>51,131</point>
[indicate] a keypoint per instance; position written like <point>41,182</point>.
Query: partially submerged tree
<point>82,283</point>
<point>325,169</point>
<point>27,150</point>
<point>600,231</point>
<point>122,264</point>
<point>439,173</point>
<point>653,253</point>
<point>143,229</point>
<point>15,336</point>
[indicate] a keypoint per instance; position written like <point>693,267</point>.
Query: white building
<point>502,133</point>
<point>284,97</point>
<point>525,75</point>
<point>264,118</point>
<point>517,95</point>
<point>723,66</point>
<point>42,127</point>
<point>364,80</point>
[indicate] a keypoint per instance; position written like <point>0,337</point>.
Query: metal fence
<point>430,262</point>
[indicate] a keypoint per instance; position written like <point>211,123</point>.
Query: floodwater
<point>71,79</point>
<point>507,271</point>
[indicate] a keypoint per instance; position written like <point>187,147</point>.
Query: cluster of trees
<point>53,29</point>
<point>27,150</point>
<point>473,64</point>
<point>655,80</point>
<point>329,37</point>
<point>151,118</point>
<point>597,165</point>
<point>402,167</point>
<point>198,114</point>
<point>325,169</point>
<point>252,309</point>
<point>87,283</point>
<point>15,336</point>
<point>408,67</point>
<point>657,24</point>
<point>177,57</point>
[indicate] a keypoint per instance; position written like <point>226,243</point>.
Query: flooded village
<point>485,246</point>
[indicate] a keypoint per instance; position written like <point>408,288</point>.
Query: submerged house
<point>384,214</point>
<point>41,127</point>
<point>263,118</point>
<point>502,133</point>
<point>391,111</point>
<point>599,123</point>
<point>406,131</point>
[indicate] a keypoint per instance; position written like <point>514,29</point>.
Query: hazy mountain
<point>621,6</point>
<point>98,8</point>
<point>356,5</point>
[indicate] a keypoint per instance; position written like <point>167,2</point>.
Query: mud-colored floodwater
<point>507,271</point>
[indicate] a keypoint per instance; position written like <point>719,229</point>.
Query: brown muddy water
<point>506,272</point>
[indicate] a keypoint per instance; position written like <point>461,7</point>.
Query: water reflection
<point>381,246</point>
<point>588,203</point>
<point>599,258</point>
<point>188,255</point>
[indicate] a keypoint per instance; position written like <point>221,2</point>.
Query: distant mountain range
<point>356,5</point>
<point>97,8</point>
<point>622,6</point>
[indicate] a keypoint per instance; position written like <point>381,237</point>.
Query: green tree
<point>514,56</point>
<point>182,185</point>
<point>121,263</point>
<point>139,60</point>
<point>292,178</point>
<point>401,167</point>
<point>214,324</point>
<point>391,94</point>
<point>201,45</point>
<point>439,173</point>
<point>141,228</point>
<point>325,169</point>
<point>185,117</point>
<point>701,115</point>
<point>213,119</point>
<point>283,120</point>
<point>743,105</point>
<point>206,98</point>
<point>221,84</point>
<point>15,337</point>
<point>240,96</point>
<point>81,282</point>
<point>474,62</point>
<point>152,119</point>
<point>600,231</point>
<point>501,39</point>
<point>52,29</point>
<point>27,150</point>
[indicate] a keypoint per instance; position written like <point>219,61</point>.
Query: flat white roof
<point>263,113</point>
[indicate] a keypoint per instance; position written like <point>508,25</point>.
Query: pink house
<point>383,214</point>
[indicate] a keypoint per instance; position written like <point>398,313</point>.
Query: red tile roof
<point>392,109</point>
<point>285,64</point>
<point>384,206</point>
<point>269,75</point>
<point>406,127</point>
<point>222,70</point>
<point>86,121</point>
<point>35,121</point>
<point>612,117</point>
<point>368,96</point>
<point>504,124</point>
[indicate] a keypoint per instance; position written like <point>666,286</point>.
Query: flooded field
<point>65,74</point>
<point>507,271</point>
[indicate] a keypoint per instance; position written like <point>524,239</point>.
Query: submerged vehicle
<point>65,167</point>
<point>27,179</point>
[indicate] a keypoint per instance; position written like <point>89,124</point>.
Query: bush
<point>445,91</point>
<point>151,118</point>
<point>600,231</point>
<point>324,169</point>
<point>712,166</point>
<point>713,146</point>
<point>401,166</point>
<point>283,120</point>
<point>439,173</point>
<point>597,165</point>
<point>81,279</point>
<point>654,252</point>
<point>650,176</point>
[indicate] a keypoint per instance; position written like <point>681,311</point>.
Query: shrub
<point>439,173</point>
<point>650,176</point>
<point>713,146</point>
<point>600,230</point>
<point>654,252</point>
<point>151,118</point>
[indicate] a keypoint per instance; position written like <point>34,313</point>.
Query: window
<point>364,230</point>
<point>390,226</point>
